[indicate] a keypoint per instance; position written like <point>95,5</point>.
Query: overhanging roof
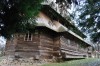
<point>60,29</point>
<point>56,16</point>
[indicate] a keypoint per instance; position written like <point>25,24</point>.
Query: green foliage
<point>15,15</point>
<point>90,18</point>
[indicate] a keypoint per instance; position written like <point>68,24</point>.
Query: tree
<point>89,19</point>
<point>19,15</point>
<point>14,15</point>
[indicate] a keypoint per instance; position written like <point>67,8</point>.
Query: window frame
<point>28,37</point>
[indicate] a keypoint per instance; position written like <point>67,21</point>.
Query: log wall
<point>27,48</point>
<point>71,49</point>
<point>10,47</point>
<point>56,47</point>
<point>46,46</point>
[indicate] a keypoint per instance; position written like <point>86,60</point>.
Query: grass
<point>71,63</point>
<point>0,58</point>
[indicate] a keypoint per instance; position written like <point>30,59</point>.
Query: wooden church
<point>53,38</point>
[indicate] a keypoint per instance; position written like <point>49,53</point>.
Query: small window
<point>28,37</point>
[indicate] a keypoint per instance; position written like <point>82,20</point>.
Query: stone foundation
<point>7,61</point>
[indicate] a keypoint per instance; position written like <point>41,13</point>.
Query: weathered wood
<point>72,48</point>
<point>46,44</point>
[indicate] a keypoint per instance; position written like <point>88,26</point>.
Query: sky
<point>2,41</point>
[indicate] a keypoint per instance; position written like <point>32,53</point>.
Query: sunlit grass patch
<point>71,63</point>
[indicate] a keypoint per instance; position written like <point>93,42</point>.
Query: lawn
<point>72,63</point>
<point>0,58</point>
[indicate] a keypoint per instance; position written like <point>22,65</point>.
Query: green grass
<point>0,59</point>
<point>71,63</point>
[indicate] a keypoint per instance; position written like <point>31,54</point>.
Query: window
<point>28,37</point>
